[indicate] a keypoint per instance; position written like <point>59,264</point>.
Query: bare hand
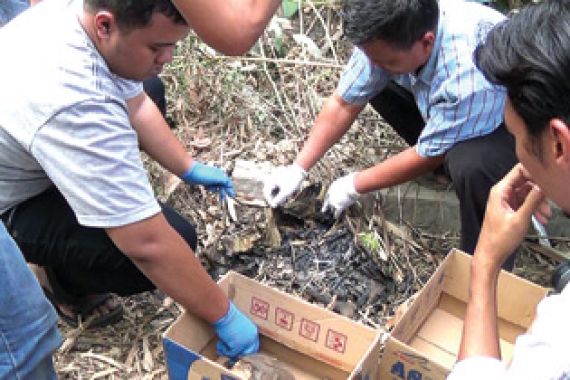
<point>511,204</point>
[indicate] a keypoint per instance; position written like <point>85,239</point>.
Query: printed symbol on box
<point>259,308</point>
<point>284,319</point>
<point>336,341</point>
<point>309,330</point>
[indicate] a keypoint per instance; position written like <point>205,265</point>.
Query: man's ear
<point>104,24</point>
<point>428,39</point>
<point>560,141</point>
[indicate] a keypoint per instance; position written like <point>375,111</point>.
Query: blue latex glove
<point>238,334</point>
<point>213,178</point>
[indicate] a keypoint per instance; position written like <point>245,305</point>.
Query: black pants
<point>474,165</point>
<point>84,259</point>
<point>155,90</point>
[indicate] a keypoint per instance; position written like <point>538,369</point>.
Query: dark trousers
<point>84,259</point>
<point>155,90</point>
<point>474,165</point>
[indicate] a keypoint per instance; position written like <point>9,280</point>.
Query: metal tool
<point>230,204</point>
<point>541,232</point>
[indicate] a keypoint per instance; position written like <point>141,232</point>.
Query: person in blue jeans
<point>10,9</point>
<point>28,323</point>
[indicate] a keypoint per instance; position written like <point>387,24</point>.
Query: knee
<point>466,168</point>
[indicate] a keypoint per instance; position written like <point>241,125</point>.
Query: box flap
<point>423,304</point>
<point>516,297</point>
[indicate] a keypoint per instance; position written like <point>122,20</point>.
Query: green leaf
<point>279,47</point>
<point>290,8</point>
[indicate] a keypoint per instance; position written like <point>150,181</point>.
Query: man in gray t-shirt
<point>73,190</point>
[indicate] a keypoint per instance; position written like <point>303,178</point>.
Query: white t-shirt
<point>64,121</point>
<point>541,354</point>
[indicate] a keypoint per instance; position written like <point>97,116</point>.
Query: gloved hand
<point>283,182</point>
<point>238,334</point>
<point>340,195</point>
<point>213,178</point>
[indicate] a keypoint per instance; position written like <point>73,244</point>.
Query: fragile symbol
<point>309,330</point>
<point>259,308</point>
<point>336,341</point>
<point>284,319</point>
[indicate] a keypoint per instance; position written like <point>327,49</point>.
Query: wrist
<point>227,317</point>
<point>300,168</point>
<point>355,191</point>
<point>187,176</point>
<point>484,265</point>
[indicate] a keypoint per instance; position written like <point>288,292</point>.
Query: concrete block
<point>247,177</point>
<point>436,210</point>
<point>433,210</point>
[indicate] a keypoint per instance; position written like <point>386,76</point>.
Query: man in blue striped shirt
<point>413,63</point>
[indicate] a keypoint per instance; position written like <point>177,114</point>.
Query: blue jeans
<point>28,322</point>
<point>10,9</point>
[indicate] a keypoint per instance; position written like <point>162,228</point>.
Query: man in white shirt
<point>530,56</point>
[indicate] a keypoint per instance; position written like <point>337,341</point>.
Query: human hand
<point>283,182</point>
<point>341,195</point>
<point>510,206</point>
<point>213,178</point>
<point>238,334</point>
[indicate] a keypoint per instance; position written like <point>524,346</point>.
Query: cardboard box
<point>425,342</point>
<point>311,342</point>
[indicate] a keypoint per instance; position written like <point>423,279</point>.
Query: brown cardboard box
<point>311,342</point>
<point>425,342</point>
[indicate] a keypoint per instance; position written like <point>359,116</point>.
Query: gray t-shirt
<point>64,121</point>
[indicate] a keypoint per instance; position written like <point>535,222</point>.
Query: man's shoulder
<point>463,26</point>
<point>467,21</point>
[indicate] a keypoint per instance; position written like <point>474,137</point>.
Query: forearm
<point>166,260</point>
<point>480,331</point>
<point>397,169</point>
<point>229,26</point>
<point>331,124</point>
<point>177,272</point>
<point>511,203</point>
<point>155,136</point>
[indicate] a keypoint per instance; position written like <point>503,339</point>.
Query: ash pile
<point>359,265</point>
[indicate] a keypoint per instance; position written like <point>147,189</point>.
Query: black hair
<point>131,14</point>
<point>399,22</point>
<point>530,56</point>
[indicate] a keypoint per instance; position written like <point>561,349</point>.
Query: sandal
<point>81,307</point>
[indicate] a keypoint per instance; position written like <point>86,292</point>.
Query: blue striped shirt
<point>455,100</point>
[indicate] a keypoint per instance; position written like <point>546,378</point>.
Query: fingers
<point>329,205</point>
<point>543,213</point>
<point>532,203</point>
<point>517,176</point>
<point>268,190</point>
<point>337,213</point>
<point>326,205</point>
<point>282,183</point>
<point>275,194</point>
<point>279,196</point>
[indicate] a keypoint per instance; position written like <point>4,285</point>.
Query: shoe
<point>81,307</point>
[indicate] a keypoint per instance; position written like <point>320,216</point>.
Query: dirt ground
<point>260,108</point>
